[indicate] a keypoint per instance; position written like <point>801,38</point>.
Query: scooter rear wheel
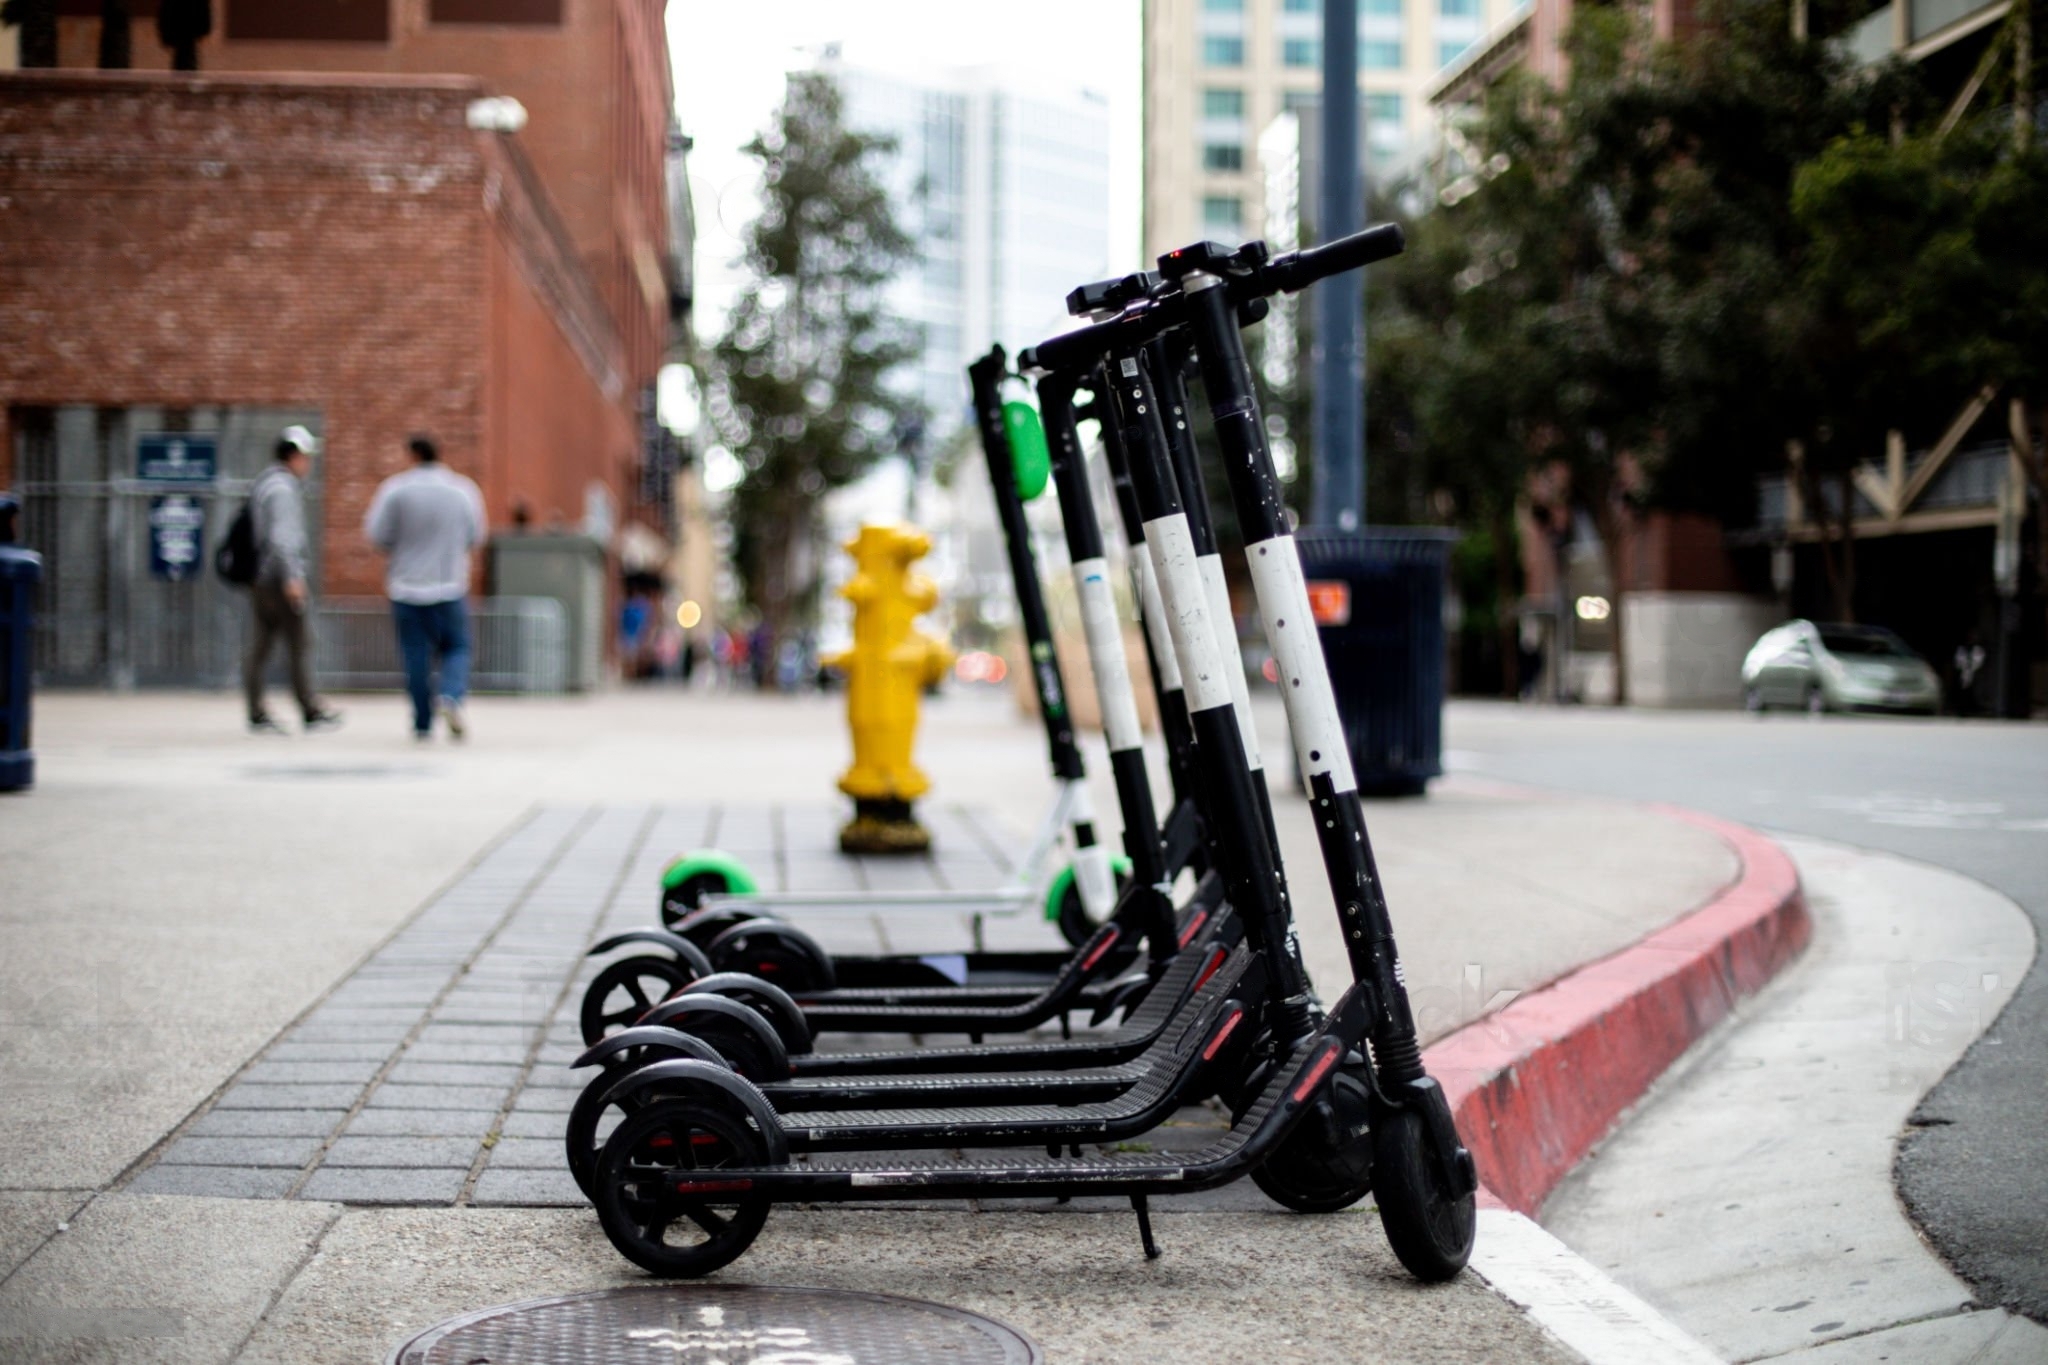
<point>668,1234</point>
<point>584,1134</point>
<point>774,951</point>
<point>689,893</point>
<point>1431,1233</point>
<point>627,989</point>
<point>1326,1162</point>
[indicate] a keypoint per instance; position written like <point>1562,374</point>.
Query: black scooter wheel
<point>627,989</point>
<point>584,1134</point>
<point>702,927</point>
<point>770,999</point>
<point>1431,1233</point>
<point>686,895</point>
<point>1326,1162</point>
<point>776,952</point>
<point>665,1233</point>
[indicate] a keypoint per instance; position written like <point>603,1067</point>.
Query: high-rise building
<point>1003,182</point>
<point>1218,72</point>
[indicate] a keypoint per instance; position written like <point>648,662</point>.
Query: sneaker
<point>451,711</point>
<point>423,736</point>
<point>264,725</point>
<point>323,720</point>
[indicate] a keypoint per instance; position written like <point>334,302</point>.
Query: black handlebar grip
<point>1299,269</point>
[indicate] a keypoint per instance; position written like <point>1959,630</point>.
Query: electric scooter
<point>988,996</point>
<point>685,1184</point>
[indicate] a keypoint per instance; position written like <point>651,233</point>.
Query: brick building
<point>325,225</point>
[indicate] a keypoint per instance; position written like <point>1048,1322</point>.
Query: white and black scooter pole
<point>1248,860</point>
<point>1106,657</point>
<point>1211,314</point>
<point>1094,879</point>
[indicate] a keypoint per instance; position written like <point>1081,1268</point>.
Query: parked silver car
<point>1824,667</point>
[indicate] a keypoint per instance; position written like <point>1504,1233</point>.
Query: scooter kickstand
<point>1143,1207</point>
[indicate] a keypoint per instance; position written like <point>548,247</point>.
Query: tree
<point>799,384</point>
<point>37,20</point>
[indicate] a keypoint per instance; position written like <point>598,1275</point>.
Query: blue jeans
<point>424,631</point>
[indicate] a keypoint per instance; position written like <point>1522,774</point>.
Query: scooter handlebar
<point>1298,269</point>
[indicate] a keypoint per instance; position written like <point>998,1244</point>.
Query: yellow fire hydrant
<point>887,669</point>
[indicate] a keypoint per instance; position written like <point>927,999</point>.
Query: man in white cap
<point>277,515</point>
<point>427,520</point>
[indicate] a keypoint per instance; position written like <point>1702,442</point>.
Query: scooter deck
<point>827,1178</point>
<point>1169,1072</point>
<point>1107,1047</point>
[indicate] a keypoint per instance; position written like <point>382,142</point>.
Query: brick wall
<point>597,90</point>
<point>337,242</point>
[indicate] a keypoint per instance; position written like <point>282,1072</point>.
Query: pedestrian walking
<point>427,520</point>
<point>278,595</point>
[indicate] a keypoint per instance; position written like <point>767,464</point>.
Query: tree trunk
<point>1612,520</point>
<point>38,39</point>
<point>1836,561</point>
<point>1501,527</point>
<point>115,36</point>
<point>1845,596</point>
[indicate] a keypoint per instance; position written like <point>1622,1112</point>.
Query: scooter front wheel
<point>1430,1231</point>
<point>627,989</point>
<point>661,1231</point>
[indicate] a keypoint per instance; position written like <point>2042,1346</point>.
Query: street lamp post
<point>1338,417</point>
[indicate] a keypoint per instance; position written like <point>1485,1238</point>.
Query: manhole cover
<point>715,1324</point>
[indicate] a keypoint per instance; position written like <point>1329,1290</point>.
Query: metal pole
<point>1338,418</point>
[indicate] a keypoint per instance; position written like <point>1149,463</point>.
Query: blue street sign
<point>177,457</point>
<point>177,536</point>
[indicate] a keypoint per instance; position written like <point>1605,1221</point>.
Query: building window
<point>1446,53</point>
<point>1294,101</point>
<point>1379,56</point>
<point>1223,6</point>
<point>494,11</point>
<point>1392,7</point>
<point>1222,103</point>
<point>1222,213</point>
<point>1463,9</point>
<point>1222,51</point>
<point>336,21</point>
<point>1303,6</point>
<point>1222,156</point>
<point>1382,121</point>
<point>1301,52</point>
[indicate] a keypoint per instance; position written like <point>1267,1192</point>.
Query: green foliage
<point>798,386</point>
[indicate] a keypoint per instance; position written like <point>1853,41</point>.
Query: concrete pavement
<point>178,894</point>
<point>1750,1196</point>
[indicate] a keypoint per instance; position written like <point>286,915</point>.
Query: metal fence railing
<point>517,644</point>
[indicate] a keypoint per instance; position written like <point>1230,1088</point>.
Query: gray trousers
<point>275,617</point>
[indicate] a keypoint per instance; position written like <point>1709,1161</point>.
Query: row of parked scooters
<point>713,1104</point>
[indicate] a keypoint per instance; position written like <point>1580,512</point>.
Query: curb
<point>1536,1084</point>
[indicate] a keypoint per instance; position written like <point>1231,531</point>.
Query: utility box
<point>570,569</point>
<point>1378,600</point>
<point>20,570</point>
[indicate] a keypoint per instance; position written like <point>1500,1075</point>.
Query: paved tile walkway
<point>437,1073</point>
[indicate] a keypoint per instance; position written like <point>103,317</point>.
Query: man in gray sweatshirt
<point>277,515</point>
<point>427,520</point>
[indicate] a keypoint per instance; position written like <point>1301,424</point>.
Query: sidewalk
<point>178,895</point>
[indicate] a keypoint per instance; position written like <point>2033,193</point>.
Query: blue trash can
<point>20,571</point>
<point>1378,596</point>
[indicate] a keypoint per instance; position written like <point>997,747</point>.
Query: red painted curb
<point>1535,1085</point>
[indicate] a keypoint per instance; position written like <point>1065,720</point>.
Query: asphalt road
<point>1970,796</point>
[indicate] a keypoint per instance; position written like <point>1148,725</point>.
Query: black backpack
<point>235,559</point>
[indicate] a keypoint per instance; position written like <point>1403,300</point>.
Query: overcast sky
<point>730,57</point>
